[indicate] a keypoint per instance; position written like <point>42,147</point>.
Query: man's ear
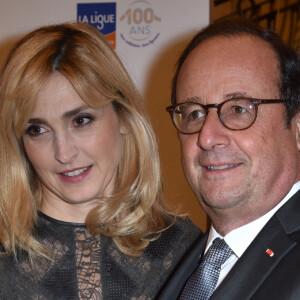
<point>297,123</point>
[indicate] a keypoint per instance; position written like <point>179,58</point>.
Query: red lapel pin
<point>270,252</point>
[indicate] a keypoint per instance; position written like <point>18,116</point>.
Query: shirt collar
<point>240,238</point>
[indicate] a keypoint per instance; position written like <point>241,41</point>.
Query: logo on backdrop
<point>100,15</point>
<point>140,24</point>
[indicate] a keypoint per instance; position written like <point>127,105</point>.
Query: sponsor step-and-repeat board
<point>137,29</point>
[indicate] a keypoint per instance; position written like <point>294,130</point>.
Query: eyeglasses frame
<point>256,102</point>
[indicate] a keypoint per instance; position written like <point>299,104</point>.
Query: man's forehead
<point>242,47</point>
<point>233,64</point>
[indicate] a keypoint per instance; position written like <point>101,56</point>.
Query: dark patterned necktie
<point>202,283</point>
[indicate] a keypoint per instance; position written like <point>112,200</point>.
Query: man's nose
<point>213,133</point>
<point>65,148</point>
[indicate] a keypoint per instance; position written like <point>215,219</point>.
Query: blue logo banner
<point>100,15</point>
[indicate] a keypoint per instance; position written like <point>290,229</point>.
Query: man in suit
<point>236,98</point>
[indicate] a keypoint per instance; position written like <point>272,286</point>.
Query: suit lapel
<point>256,264</point>
<point>176,283</point>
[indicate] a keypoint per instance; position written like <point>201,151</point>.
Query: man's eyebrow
<point>192,99</point>
<point>226,96</point>
<point>235,95</point>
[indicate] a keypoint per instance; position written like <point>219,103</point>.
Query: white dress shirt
<point>240,238</point>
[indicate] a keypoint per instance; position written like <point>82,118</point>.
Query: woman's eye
<point>82,121</point>
<point>35,130</point>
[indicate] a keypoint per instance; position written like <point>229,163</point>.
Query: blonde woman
<point>82,214</point>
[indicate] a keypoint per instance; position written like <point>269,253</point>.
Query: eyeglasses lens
<point>236,114</point>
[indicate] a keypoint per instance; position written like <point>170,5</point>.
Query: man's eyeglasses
<point>234,114</point>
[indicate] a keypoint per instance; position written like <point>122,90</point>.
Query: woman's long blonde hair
<point>136,212</point>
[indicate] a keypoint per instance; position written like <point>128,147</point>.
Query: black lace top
<point>92,267</point>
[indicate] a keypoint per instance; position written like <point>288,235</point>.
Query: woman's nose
<point>65,148</point>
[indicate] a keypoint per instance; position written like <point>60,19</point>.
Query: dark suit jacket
<point>256,275</point>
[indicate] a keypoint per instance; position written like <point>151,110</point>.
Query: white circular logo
<point>140,24</point>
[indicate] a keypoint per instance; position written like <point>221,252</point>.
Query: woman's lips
<point>75,175</point>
